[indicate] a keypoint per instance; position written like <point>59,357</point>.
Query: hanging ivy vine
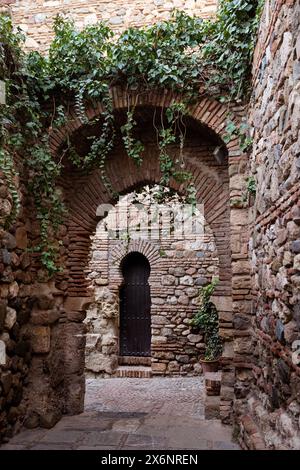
<point>185,54</point>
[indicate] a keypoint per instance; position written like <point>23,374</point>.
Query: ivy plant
<point>206,319</point>
<point>188,55</point>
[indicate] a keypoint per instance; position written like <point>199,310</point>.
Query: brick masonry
<point>227,221</point>
<point>41,322</point>
<point>50,315</point>
<point>180,265</point>
<point>271,416</point>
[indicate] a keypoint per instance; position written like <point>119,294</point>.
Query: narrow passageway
<point>122,413</point>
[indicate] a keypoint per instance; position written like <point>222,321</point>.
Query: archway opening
<point>140,247</point>
<point>135,307</point>
<point>85,191</point>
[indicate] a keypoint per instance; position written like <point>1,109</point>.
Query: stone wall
<point>14,348</point>
<point>272,417</point>
<point>180,265</point>
<point>52,311</point>
<point>29,304</point>
<point>35,17</point>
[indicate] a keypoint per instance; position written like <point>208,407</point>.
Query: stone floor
<point>121,413</point>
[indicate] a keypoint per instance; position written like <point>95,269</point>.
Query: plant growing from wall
<point>8,168</point>
<point>187,55</point>
<point>206,319</point>
<point>241,132</point>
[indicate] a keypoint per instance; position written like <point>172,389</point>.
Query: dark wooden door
<point>135,304</point>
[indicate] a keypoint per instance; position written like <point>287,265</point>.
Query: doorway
<point>135,306</point>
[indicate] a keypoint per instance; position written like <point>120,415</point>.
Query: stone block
<point>201,281</point>
<point>241,322</point>
<point>40,339</point>
<point>9,241</point>
<point>194,338</point>
<point>212,407</point>
<point>21,238</point>
<point>158,367</point>
<point>227,393</point>
<point>77,303</point>
<point>97,362</point>
<point>242,345</point>
<point>159,339</point>
<point>49,419</point>
<point>295,246</point>
<point>44,317</point>
<point>183,358</point>
<point>225,316</point>
<point>239,217</point>
<point>168,280</point>
<point>10,319</point>
<point>2,353</point>
<point>173,367</point>
<point>2,314</point>
<point>186,280</point>
<point>158,320</point>
<point>222,303</point>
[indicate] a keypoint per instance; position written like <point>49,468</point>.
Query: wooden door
<point>135,304</point>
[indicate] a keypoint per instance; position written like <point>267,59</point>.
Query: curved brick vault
<point>217,182</point>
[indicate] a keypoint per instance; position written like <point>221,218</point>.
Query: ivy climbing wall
<point>35,17</point>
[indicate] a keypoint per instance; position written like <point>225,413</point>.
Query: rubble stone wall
<point>35,17</point>
<point>272,416</point>
<point>179,267</point>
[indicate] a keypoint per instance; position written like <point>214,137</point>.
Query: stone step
<point>134,361</point>
<point>137,372</point>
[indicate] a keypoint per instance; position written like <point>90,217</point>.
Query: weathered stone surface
<point>98,363</point>
<point>194,338</point>
<point>201,281</point>
<point>2,314</point>
<point>11,318</point>
<point>186,280</point>
<point>40,339</point>
<point>6,382</point>
<point>212,407</point>
<point>242,345</point>
<point>295,246</point>
<point>2,353</point>
<point>9,241</point>
<point>21,238</point>
<point>48,420</point>
<point>6,256</point>
<point>32,421</point>
<point>44,317</point>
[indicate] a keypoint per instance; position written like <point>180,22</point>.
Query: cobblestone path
<point>157,413</point>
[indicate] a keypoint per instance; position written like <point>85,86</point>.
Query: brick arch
<point>84,192</point>
<point>83,203</point>
<point>136,246</point>
<point>209,112</point>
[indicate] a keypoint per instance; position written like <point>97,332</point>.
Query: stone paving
<point>133,414</point>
